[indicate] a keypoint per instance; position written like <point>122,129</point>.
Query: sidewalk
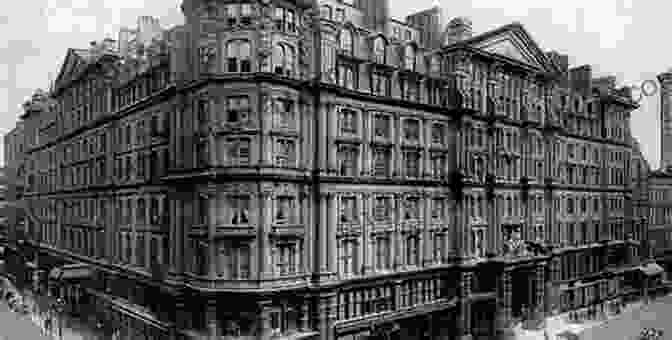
<point>560,323</point>
<point>39,312</point>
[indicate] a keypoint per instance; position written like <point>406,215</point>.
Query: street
<point>14,326</point>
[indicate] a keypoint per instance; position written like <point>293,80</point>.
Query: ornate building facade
<point>299,170</point>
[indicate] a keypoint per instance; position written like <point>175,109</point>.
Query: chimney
<point>580,80</point>
<point>458,29</point>
<point>109,45</point>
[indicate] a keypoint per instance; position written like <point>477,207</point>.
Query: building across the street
<point>302,169</point>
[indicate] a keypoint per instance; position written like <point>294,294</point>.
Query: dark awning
<point>651,269</point>
<point>71,272</point>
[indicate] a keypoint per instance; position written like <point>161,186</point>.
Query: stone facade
<point>332,181</point>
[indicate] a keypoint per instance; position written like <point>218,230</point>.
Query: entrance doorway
<point>523,292</point>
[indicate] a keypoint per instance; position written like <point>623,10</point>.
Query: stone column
<point>323,250</point>
<point>540,293</point>
<point>332,210</point>
<point>265,308</point>
<point>304,318</point>
<point>426,234</point>
<point>327,315</point>
<point>504,304</point>
<point>265,213</point>
<point>211,320</point>
<point>332,129</point>
<point>464,321</point>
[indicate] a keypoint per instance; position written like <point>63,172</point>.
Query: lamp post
<point>58,307</point>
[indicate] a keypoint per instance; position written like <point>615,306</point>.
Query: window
<point>413,251</point>
<point>348,121</point>
<point>346,76</point>
<point>238,56</point>
<point>412,130</point>
<point>285,19</point>
<point>284,113</point>
<point>348,210</point>
<point>383,246</point>
<point>246,14</point>
<point>412,209</point>
<point>283,60</point>
<point>285,210</point>
<point>381,126</point>
<point>412,163</point>
<point>381,162</point>
<point>380,84</point>
<point>141,212</point>
<point>438,165</point>
<point>382,209</point>
<point>237,109</point>
<point>238,151</point>
<point>237,259</point>
<point>379,47</point>
<point>240,210</point>
<point>438,208</point>
<point>348,256</point>
<point>478,242</point>
<point>340,15</point>
<point>325,12</point>
<point>439,247</point>
<point>285,153</point>
<point>287,258</point>
<point>347,157</point>
<point>409,58</point>
<point>346,41</point>
<point>434,65</point>
<point>437,134</point>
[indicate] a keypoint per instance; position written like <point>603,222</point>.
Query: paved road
<point>658,315</point>
<point>14,326</point>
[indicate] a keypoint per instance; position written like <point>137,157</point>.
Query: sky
<point>616,37</point>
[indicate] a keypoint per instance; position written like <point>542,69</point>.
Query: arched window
<point>283,59</point>
<point>346,41</point>
<point>379,50</point>
<point>238,56</point>
<point>409,58</point>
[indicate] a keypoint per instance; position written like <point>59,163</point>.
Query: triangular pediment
<point>515,43</point>
<point>72,65</point>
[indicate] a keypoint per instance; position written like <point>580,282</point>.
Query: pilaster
<point>464,321</point>
<point>265,206</point>
<point>331,149</point>
<point>211,321</point>
<point>504,297</point>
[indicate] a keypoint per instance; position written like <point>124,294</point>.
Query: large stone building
<point>294,170</point>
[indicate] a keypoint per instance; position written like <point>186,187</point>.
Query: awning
<point>71,272</point>
<point>651,269</point>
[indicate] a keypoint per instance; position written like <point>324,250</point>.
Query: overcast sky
<point>618,37</point>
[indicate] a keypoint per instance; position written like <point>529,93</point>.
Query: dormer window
<point>409,58</point>
<point>346,41</point>
<point>379,50</point>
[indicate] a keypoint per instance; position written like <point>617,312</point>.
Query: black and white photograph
<point>335,170</point>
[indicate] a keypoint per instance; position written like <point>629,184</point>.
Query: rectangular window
<point>381,126</point>
<point>383,252</point>
<point>284,113</point>
<point>381,162</point>
<point>348,121</point>
<point>346,76</point>
<point>237,257</point>
<point>240,210</point>
<point>287,258</point>
<point>382,209</point>
<point>348,210</point>
<point>437,134</point>
<point>239,151</point>
<point>238,109</point>
<point>347,157</point>
<point>285,210</point>
<point>413,251</point>
<point>348,257</point>
<point>380,84</point>
<point>412,130</point>
<point>412,209</point>
<point>412,163</point>
<point>285,153</point>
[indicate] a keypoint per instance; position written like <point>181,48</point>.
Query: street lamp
<point>58,308</point>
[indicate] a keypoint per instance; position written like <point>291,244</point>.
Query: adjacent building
<point>302,170</point>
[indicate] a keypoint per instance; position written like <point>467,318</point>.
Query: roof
<point>628,326</point>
